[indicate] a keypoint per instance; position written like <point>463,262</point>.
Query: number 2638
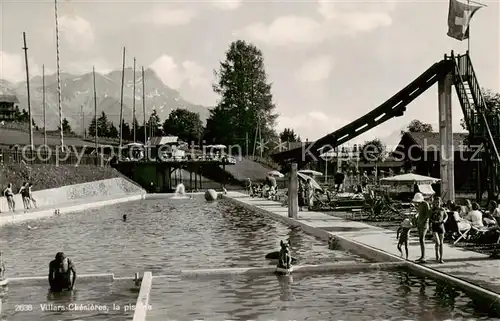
<point>23,307</point>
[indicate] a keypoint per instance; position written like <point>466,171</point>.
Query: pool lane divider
<point>378,255</point>
<point>80,278</point>
<point>142,305</point>
<point>297,269</point>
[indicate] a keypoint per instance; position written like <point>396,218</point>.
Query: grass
<point>248,168</point>
<point>51,176</point>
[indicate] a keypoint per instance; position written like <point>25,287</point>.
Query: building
<point>420,153</point>
<point>8,106</point>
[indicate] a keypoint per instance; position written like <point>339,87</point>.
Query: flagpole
<point>468,38</point>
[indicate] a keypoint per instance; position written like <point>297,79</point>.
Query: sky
<point>330,62</point>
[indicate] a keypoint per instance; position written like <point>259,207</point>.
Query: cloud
<point>285,30</point>
<point>188,76</point>
<point>83,67</point>
<point>168,16</point>
<point>334,19</point>
<point>77,31</point>
<point>315,69</point>
<point>311,125</point>
<point>12,67</point>
<point>227,4</point>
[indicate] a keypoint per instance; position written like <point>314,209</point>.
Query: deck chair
<point>457,227</point>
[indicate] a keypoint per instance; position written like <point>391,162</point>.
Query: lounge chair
<point>455,225</point>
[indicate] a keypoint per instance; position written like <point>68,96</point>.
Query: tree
<point>102,125</point>
<point>66,127</point>
<point>246,101</point>
<point>373,151</point>
<point>113,131</point>
<point>185,124</point>
<point>92,127</point>
<point>153,124</point>
<point>289,135</point>
<point>125,130</point>
<point>416,126</point>
<point>492,101</point>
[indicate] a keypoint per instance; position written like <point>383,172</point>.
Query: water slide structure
<point>482,122</point>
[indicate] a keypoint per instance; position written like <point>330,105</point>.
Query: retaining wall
<point>114,188</point>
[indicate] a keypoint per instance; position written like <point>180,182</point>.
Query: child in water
<point>402,235</point>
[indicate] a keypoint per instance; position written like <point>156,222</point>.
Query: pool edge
<point>377,255</point>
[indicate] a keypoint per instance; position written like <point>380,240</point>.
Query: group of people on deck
<point>26,193</point>
<point>433,215</point>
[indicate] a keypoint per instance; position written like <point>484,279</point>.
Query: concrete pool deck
<point>471,271</point>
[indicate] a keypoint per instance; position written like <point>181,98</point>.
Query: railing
<point>9,157</point>
<point>465,68</point>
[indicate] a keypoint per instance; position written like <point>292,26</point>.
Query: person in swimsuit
<point>23,191</point>
<point>438,218</point>
<point>30,195</point>
<point>424,213</point>
<point>9,194</point>
<point>402,235</point>
<point>60,270</point>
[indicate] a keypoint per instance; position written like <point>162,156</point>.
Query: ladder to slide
<point>482,123</point>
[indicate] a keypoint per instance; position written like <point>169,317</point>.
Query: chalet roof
<point>162,140</point>
<point>9,99</point>
<point>429,141</point>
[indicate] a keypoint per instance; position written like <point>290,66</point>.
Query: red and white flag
<point>459,17</point>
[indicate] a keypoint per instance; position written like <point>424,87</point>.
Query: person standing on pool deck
<point>438,218</point>
<point>60,271</point>
<point>9,194</point>
<point>424,213</point>
<point>30,195</point>
<point>402,235</point>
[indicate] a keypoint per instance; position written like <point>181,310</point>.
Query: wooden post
<point>133,105</point>
<point>144,105</point>
<point>25,48</point>
<point>293,196</point>
<point>446,139</point>
<point>121,100</point>
<point>95,113</point>
<point>44,107</point>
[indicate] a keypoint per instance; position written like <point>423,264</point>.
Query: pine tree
<point>246,101</point>
<point>92,127</point>
<point>125,130</point>
<point>112,131</point>
<point>103,125</point>
<point>154,124</point>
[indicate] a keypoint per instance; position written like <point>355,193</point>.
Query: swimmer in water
<point>60,271</point>
<point>124,217</point>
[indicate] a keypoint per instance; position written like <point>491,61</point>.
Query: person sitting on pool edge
<point>60,270</point>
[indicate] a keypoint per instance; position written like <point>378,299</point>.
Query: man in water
<point>60,271</point>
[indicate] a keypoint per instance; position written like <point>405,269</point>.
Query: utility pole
<point>43,106</point>
<point>28,90</point>
<point>59,95</point>
<point>121,99</point>
<point>83,121</point>
<point>144,104</point>
<point>95,111</point>
<point>133,106</point>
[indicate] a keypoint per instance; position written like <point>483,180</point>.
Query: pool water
<point>106,301</point>
<point>160,236</point>
<point>370,296</point>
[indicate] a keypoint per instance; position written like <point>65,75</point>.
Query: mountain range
<point>78,100</point>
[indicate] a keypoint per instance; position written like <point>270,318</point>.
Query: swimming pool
<point>167,235</point>
<point>98,301</point>
<point>160,236</point>
<point>370,296</point>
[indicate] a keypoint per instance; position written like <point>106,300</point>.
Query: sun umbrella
<point>275,174</point>
<point>409,179</point>
<point>310,172</point>
<point>304,177</point>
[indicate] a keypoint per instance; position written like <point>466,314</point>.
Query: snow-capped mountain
<point>77,93</point>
